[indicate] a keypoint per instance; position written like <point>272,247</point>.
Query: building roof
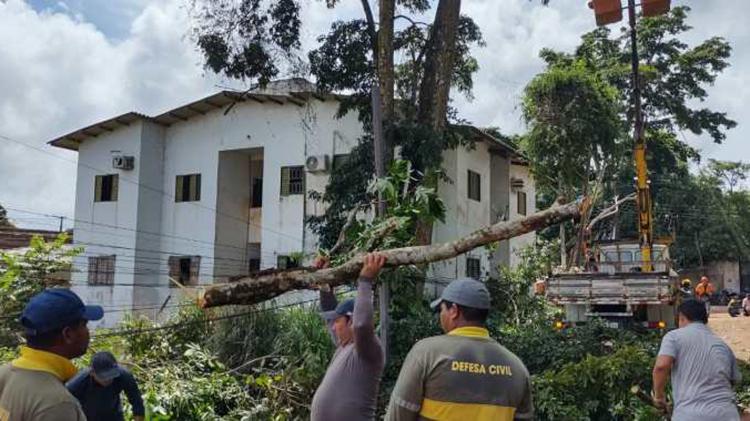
<point>185,112</point>
<point>496,144</point>
<point>292,91</point>
<point>14,238</point>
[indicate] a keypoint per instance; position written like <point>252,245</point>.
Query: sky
<point>67,64</point>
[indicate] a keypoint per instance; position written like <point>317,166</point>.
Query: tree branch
<point>342,235</point>
<point>413,22</point>
<point>370,24</point>
<point>610,211</point>
<point>262,287</point>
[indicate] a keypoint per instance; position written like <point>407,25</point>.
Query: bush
<point>596,388</point>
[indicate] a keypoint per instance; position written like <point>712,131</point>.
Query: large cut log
<point>262,287</point>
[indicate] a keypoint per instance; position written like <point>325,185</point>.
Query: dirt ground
<point>735,331</point>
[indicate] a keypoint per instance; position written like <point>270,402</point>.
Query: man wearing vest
<point>32,387</point>
<point>703,292</point>
<point>462,375</point>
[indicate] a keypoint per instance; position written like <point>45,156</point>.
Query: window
<point>257,194</point>
<point>475,186</point>
<point>188,188</point>
<point>286,262</point>
<point>339,160</point>
<point>473,268</point>
<point>184,269</point>
<point>521,197</point>
<point>292,180</point>
<point>102,270</point>
<point>105,188</point>
<point>253,265</point>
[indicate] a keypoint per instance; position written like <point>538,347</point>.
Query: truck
<point>613,286</point>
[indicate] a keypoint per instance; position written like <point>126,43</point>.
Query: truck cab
<point>614,287</point>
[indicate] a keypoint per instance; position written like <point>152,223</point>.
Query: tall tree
<point>674,80</point>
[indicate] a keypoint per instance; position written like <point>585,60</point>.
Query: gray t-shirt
<point>349,389</point>
<point>703,373</point>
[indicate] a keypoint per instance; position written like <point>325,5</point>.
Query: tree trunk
<point>438,66</point>
<point>262,287</point>
<point>386,75</point>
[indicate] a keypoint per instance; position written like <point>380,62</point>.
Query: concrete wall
<point>232,213</point>
<point>499,207</point>
<point>107,228</point>
<point>724,275</point>
<point>519,243</point>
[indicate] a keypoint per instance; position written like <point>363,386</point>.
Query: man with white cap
<point>464,374</point>
<point>349,388</point>
<point>98,388</point>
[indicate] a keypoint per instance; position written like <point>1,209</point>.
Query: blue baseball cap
<point>345,308</point>
<point>56,308</point>
<point>105,366</point>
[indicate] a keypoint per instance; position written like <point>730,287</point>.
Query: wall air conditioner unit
<point>123,162</point>
<point>317,163</point>
<point>516,183</point>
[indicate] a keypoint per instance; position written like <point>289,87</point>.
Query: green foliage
<point>674,74</point>
<point>512,299</point>
<point>243,39</point>
<point>42,265</point>
<point>574,128</point>
<point>596,388</point>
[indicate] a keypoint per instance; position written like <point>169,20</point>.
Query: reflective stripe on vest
<point>454,411</point>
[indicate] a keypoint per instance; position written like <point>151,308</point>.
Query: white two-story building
<point>219,188</point>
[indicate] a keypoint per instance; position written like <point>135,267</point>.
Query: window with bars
<point>184,269</point>
<point>473,267</point>
<point>188,188</point>
<point>475,186</point>
<point>292,180</point>
<point>521,198</point>
<point>106,188</point>
<point>102,270</point>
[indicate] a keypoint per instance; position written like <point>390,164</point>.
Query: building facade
<point>219,188</point>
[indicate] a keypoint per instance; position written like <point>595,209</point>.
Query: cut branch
<point>253,290</point>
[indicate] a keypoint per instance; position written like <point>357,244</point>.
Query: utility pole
<point>62,218</point>
<point>610,11</point>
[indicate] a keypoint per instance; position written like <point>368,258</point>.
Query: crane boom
<point>643,198</point>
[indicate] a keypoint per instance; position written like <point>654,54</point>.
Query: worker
<point>703,370</point>
<point>746,305</point>
<point>98,390</point>
<point>686,289</point>
<point>350,386</point>
<point>32,387</point>
<point>703,292</point>
<point>734,307</point>
<point>462,375</point>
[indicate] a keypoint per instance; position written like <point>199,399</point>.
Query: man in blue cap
<point>464,374</point>
<point>349,389</point>
<point>98,389</point>
<point>32,387</point>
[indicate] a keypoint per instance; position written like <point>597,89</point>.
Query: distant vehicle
<point>615,288</point>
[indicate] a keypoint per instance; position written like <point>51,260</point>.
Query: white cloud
<point>60,72</point>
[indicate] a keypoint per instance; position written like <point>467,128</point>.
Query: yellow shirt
<point>32,387</point>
